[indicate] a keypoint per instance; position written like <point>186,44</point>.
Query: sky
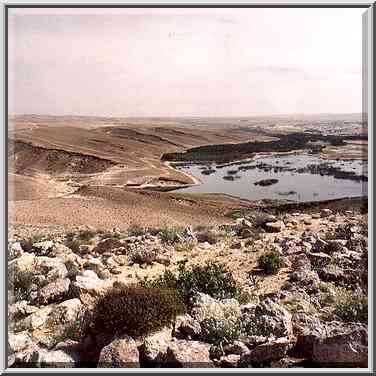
<point>184,62</point>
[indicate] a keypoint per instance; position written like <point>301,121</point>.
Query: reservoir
<point>296,177</point>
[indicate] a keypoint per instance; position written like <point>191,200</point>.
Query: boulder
<point>14,250</point>
<point>18,341</point>
<point>87,288</point>
<point>49,325</point>
<point>307,328</point>
<point>275,226</point>
<point>236,347</point>
<point>155,345</point>
<point>52,359</point>
<point>50,268</point>
<point>187,327</point>
<point>122,352</point>
<point>270,351</point>
<point>325,213</point>
<point>229,361</point>
<point>20,309</point>
<point>320,259</point>
<point>107,245</point>
<point>54,292</point>
<point>59,250</point>
<point>188,354</point>
<point>72,348</point>
<point>348,349</point>
<point>24,263</point>
<point>43,248</point>
<point>269,319</point>
<point>85,249</point>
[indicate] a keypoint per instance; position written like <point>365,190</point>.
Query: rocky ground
<point>285,290</point>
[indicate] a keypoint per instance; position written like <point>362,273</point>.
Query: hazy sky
<point>185,62</point>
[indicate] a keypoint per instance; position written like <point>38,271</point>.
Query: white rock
<point>18,341</point>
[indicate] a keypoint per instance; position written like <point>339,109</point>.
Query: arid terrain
<point>95,218</point>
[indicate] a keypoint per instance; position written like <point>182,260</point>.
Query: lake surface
<point>300,177</point>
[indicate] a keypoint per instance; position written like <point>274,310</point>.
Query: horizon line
<point>191,116</point>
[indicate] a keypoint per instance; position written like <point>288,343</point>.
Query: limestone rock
<point>188,354</point>
<point>346,349</point>
<point>43,248</point>
<point>54,291</point>
<point>122,352</point>
<point>107,245</point>
<point>187,327</point>
<point>52,359</point>
<point>18,341</point>
<point>277,226</point>
<point>155,345</point>
<point>267,352</point>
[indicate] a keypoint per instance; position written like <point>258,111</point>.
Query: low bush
<point>259,219</point>
<point>27,244</point>
<point>86,235</point>
<point>210,235</point>
<point>21,284</point>
<point>74,244</point>
<point>217,330</point>
<point>184,246</point>
<point>270,262</point>
<point>134,310</point>
<point>136,231</point>
<point>171,235</point>
<point>211,278</point>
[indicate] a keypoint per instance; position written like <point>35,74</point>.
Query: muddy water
<point>300,177</point>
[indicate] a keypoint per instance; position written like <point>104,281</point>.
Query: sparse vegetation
<point>171,235</point>
<point>221,330</point>
<point>258,219</point>
<point>351,306</point>
<point>211,278</point>
<point>86,235</point>
<point>254,280</point>
<point>21,283</point>
<point>136,231</point>
<point>212,236</point>
<point>270,262</point>
<point>74,244</point>
<point>185,246</point>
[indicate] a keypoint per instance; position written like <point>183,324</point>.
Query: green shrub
<point>86,234</point>
<point>351,306</point>
<point>270,262</point>
<point>210,278</point>
<point>27,244</point>
<point>171,235</point>
<point>21,283</point>
<point>134,310</point>
<point>109,235</point>
<point>259,219</point>
<point>329,236</point>
<point>74,244</point>
<point>217,330</point>
<point>136,231</point>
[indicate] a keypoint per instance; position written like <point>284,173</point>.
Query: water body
<point>295,182</point>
